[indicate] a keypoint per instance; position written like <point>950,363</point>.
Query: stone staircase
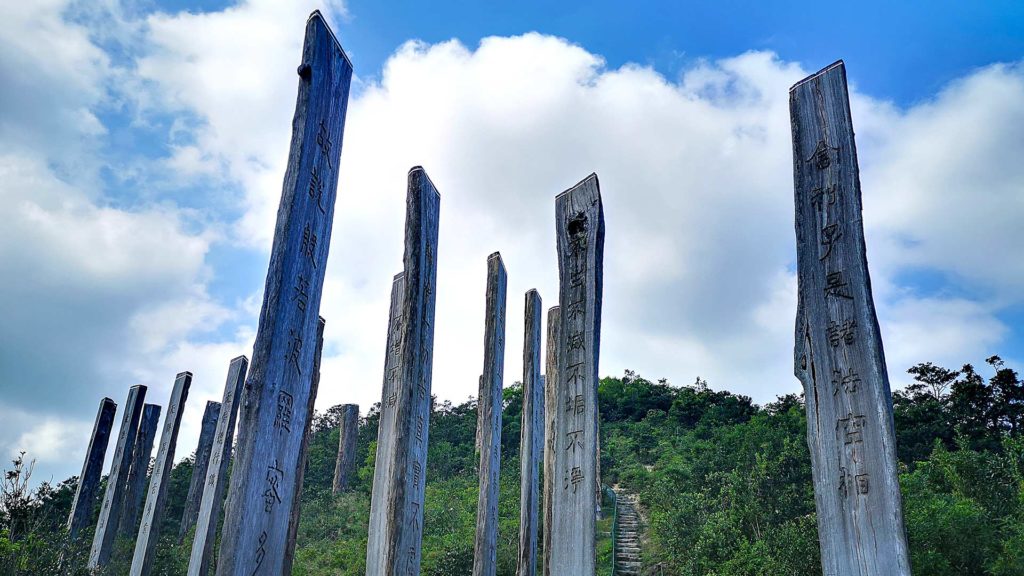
<point>627,552</point>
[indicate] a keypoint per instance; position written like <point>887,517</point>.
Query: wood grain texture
<point>531,443</point>
<point>348,434</point>
<point>550,409</point>
<point>113,498</point>
<point>216,473</point>
<point>579,228</point>
<point>202,462</point>
<point>489,405</point>
<point>92,468</point>
<point>135,491</point>
<point>405,481</point>
<point>838,352</point>
<point>156,497</point>
<point>273,414</point>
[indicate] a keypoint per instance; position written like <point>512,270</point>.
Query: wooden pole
<point>550,409</point>
<point>838,352</point>
<point>348,434</point>
<point>92,468</point>
<point>404,482</point>
<point>265,472</point>
<point>152,514</point>
<point>532,441</point>
<point>110,511</point>
<point>135,490</point>
<point>579,225</point>
<point>217,471</point>
<point>203,450</point>
<point>485,550</point>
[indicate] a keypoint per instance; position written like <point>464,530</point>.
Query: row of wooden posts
<point>838,358</point>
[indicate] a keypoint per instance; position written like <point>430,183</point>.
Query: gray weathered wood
<point>405,479</point>
<point>485,550</point>
<point>110,511</point>
<point>531,444</point>
<point>550,385</point>
<point>198,482</point>
<point>92,468</point>
<point>838,352</point>
<point>156,497</point>
<point>265,470</point>
<point>216,473</point>
<point>348,433</point>
<point>135,491</point>
<point>579,227</point>
<point>314,387</point>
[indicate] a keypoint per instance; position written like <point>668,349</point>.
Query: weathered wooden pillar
<point>550,409</point>
<point>152,514</point>
<point>404,481</point>
<point>216,472</point>
<point>485,550</point>
<point>135,491</point>
<point>314,387</point>
<point>110,511</point>
<point>348,433</point>
<point>579,226</point>
<point>92,468</point>
<point>265,471</point>
<point>195,488</point>
<point>531,444</point>
<point>838,353</point>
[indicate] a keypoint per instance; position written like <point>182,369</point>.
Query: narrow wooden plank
<point>838,354</point>
<point>135,491</point>
<point>348,434</point>
<point>92,468</point>
<point>405,480</point>
<point>531,444</point>
<point>217,472</point>
<point>550,408</point>
<point>265,472</point>
<point>156,498</point>
<point>485,549</point>
<point>110,510</point>
<point>202,462</point>
<point>579,226</point>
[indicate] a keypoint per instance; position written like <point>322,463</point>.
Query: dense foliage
<point>725,485</point>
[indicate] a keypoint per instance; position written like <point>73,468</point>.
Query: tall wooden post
<point>216,472</point>
<point>314,387</point>
<point>195,488</point>
<point>531,443</point>
<point>152,514</point>
<point>404,482</point>
<point>579,226</point>
<point>485,551</point>
<point>838,353</point>
<point>89,479</point>
<point>262,488</point>
<point>110,511</point>
<point>348,434</point>
<point>550,379</point>
<point>135,491</point>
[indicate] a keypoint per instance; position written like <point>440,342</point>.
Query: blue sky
<point>142,147</point>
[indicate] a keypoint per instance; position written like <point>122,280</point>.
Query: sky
<point>143,145</point>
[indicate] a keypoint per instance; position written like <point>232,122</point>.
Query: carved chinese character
<point>576,341</point>
<point>301,296</point>
<point>316,188</point>
<point>417,469</point>
<point>575,373</point>
<point>574,478</point>
<point>283,417</point>
<point>577,309</point>
<point>861,480</point>
<point>294,350</point>
<point>309,244</point>
<point>844,482</point>
<point>849,382</point>
<point>392,399</point>
<point>261,552</point>
<point>829,235</point>
<point>575,404</point>
<point>272,495</point>
<point>834,286</point>
<point>822,196</point>
<point>841,333</point>
<point>822,155</point>
<point>575,439</point>
<point>851,429</point>
<point>419,427</point>
<point>324,142</point>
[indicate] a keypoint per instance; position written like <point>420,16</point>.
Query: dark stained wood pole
<point>579,228</point>
<point>348,434</point>
<point>838,353</point>
<point>273,414</point>
<point>156,497</point>
<point>485,550</point>
<point>203,450</point>
<point>531,443</point>
<point>92,468</point>
<point>135,491</point>
<point>550,408</point>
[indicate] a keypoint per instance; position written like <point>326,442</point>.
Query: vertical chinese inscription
<point>579,226</point>
<point>89,479</point>
<point>156,497</point>
<point>838,354</point>
<point>550,383</point>
<point>485,552</point>
<point>135,491</point>
<point>531,442</point>
<point>273,414</point>
<point>198,483</point>
<point>348,434</point>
